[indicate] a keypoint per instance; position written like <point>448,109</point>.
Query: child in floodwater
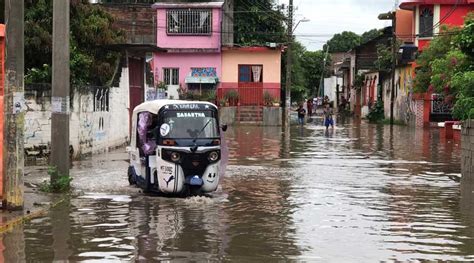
<point>328,113</point>
<point>301,113</point>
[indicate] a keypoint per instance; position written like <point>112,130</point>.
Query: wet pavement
<point>360,193</point>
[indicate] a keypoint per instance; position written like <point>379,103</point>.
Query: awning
<point>201,80</point>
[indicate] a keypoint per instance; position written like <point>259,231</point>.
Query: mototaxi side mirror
<point>224,127</point>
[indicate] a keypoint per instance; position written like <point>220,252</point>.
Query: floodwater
<point>360,193</point>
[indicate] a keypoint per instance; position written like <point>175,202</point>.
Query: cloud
<point>328,17</point>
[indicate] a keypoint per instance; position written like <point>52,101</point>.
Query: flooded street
<point>360,193</point>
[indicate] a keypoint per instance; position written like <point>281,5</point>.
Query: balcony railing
<point>249,94</point>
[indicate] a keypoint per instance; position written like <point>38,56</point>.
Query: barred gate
<point>441,110</point>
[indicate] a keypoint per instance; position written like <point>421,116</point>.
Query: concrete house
<point>191,35</point>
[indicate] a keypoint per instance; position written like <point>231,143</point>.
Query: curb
<point>9,225</point>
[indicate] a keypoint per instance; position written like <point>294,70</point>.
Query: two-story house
<point>191,35</point>
<point>430,15</point>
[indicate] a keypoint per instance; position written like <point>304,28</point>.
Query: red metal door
<point>137,83</point>
<point>251,93</point>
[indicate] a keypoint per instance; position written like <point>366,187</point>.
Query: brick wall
<point>137,21</point>
<point>419,106</point>
<point>467,156</point>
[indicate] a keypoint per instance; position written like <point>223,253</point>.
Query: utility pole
<point>289,65</point>
<point>13,142</point>
<point>394,63</point>
<point>60,92</point>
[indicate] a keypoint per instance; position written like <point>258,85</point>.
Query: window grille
<point>101,99</point>
<point>171,76</point>
<point>189,21</point>
<point>426,22</point>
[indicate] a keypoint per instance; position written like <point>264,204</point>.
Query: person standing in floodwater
<point>301,113</point>
<point>309,104</point>
<point>328,119</point>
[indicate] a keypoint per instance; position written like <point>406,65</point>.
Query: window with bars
<point>189,21</point>
<point>171,76</point>
<point>426,22</point>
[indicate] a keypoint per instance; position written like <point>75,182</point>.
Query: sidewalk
<point>35,204</point>
<point>106,172</point>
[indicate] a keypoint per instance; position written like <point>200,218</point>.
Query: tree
<point>314,69</point>
<point>343,42</point>
<point>463,81</point>
<point>371,34</point>
<point>258,22</point>
<point>91,31</point>
<point>447,67</point>
<point>437,49</point>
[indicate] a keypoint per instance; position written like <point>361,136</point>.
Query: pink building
<point>191,34</point>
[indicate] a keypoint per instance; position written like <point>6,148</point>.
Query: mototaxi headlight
<point>213,156</point>
<point>175,157</point>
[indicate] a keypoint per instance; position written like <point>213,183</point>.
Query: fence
<point>249,94</point>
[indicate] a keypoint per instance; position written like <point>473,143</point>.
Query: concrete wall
<point>467,155</point>
<point>269,58</point>
<point>330,87</point>
<point>91,130</point>
<point>227,115</point>
<point>405,107</point>
<point>272,116</point>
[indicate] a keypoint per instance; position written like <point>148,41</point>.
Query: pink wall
<point>191,42</point>
<point>186,61</point>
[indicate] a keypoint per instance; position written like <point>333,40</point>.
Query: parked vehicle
<point>175,147</point>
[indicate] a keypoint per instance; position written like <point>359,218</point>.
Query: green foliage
<point>464,84</point>
<point>162,85</point>
<point>208,95</point>
<point>38,75</point>
<point>314,69</point>
<point>257,22</point>
<point>371,34</point>
<point>91,29</point>
<point>437,49</point>
<point>384,60</point>
<point>268,98</point>
<point>231,95</point>
<point>359,81</point>
<point>343,42</point>
<point>376,114</point>
<point>447,66</point>
<point>62,183</point>
<point>465,37</point>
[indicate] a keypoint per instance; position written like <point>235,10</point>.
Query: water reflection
<point>360,192</point>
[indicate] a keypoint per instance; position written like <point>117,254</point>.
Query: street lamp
<point>392,16</point>
<point>301,20</point>
<point>289,64</point>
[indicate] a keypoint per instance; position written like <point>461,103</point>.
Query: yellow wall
<point>270,59</point>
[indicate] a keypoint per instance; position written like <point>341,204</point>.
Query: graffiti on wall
<point>405,87</point>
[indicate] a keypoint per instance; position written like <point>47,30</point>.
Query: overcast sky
<point>328,17</point>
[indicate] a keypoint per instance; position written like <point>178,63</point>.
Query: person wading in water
<point>328,113</point>
<point>301,113</point>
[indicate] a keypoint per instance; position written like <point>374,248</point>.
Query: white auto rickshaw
<point>175,147</point>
